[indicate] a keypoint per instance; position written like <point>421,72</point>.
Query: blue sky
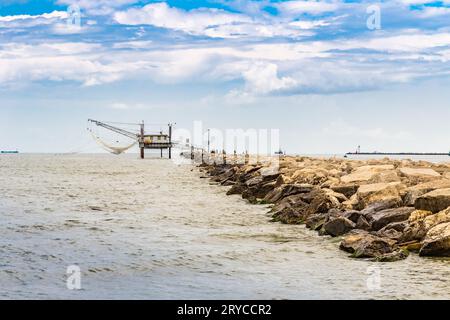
<point>313,69</point>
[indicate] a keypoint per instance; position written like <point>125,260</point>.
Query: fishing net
<point>110,148</point>
<point>112,142</point>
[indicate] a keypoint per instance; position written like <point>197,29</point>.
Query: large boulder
<point>420,222</point>
<point>434,201</point>
<point>229,174</point>
<point>417,175</point>
<point>338,226</point>
<point>419,215</point>
<point>399,254</point>
<point>282,179</point>
<point>435,219</point>
<point>247,172</point>
<point>362,223</point>
<point>258,190</point>
<point>371,173</point>
<point>347,189</point>
<point>287,190</point>
<point>316,221</point>
<point>352,215</point>
<point>389,233</point>
<point>287,202</point>
<point>352,203</point>
<point>297,208</point>
<point>380,192</point>
<point>269,173</point>
<point>383,218</point>
<point>238,188</point>
<point>341,198</point>
<point>380,205</point>
<point>217,170</point>
<point>322,202</point>
<point>397,226</point>
<point>313,176</point>
<point>393,230</point>
<point>331,181</point>
<point>291,214</point>
<point>362,244</point>
<point>437,241</point>
<point>254,181</point>
<point>415,191</point>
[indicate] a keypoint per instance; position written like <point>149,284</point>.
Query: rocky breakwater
<point>381,209</point>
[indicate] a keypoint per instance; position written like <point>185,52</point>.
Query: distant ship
<point>9,151</point>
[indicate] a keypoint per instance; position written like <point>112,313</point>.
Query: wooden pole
<point>208,140</point>
<point>170,141</point>
<point>141,140</point>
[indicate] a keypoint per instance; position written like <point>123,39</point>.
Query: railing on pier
<point>216,157</point>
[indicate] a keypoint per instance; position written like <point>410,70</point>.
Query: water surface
<point>151,229</point>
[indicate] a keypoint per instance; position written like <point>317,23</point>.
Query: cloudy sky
<point>328,74</point>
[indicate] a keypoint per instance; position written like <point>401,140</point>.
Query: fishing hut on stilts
<point>155,141</point>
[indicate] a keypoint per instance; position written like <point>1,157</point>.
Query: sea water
<point>152,229</point>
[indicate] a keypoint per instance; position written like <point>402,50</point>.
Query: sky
<point>330,75</point>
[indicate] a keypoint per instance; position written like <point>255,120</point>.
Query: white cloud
<point>66,29</point>
<point>279,68</point>
<point>51,15</point>
<point>289,8</point>
<point>311,24</point>
<point>265,67</point>
<point>98,7</point>
<point>194,21</point>
<point>79,62</point>
<point>213,23</point>
<point>134,45</point>
<point>14,22</point>
<point>429,12</point>
<point>412,41</point>
<point>262,78</point>
<point>416,2</point>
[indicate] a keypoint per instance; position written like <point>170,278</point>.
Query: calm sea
<point>153,229</point>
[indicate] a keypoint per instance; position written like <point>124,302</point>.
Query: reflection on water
<point>151,229</point>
